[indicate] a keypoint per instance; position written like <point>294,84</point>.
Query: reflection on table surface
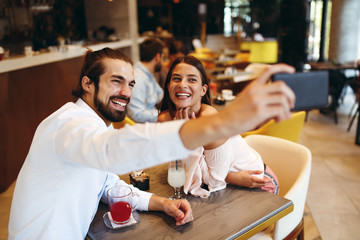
<point>228,213</point>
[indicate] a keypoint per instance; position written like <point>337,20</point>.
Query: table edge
<point>265,222</point>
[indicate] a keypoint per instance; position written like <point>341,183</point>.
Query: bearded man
<point>76,152</point>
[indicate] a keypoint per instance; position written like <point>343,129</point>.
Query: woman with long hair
<point>229,160</point>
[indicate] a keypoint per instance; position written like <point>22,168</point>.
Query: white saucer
<point>229,98</point>
<point>134,219</point>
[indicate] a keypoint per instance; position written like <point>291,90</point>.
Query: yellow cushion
<point>264,52</point>
<point>289,129</point>
<point>121,124</point>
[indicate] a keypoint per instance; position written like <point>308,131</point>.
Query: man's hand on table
<point>179,209</point>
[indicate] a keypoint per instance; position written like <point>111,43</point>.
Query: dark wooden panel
<point>27,97</point>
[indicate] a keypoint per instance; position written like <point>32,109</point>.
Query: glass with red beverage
<point>122,202</point>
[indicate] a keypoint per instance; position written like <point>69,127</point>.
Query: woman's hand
<point>179,209</point>
<point>183,113</point>
<point>245,178</point>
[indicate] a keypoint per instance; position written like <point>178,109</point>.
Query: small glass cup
<point>122,202</point>
<point>176,177</point>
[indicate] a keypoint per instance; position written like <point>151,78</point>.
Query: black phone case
<point>310,88</point>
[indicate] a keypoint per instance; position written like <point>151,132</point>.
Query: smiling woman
<point>229,160</point>
<point>186,84</point>
<point>186,89</point>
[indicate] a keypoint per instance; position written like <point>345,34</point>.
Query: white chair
<point>291,163</point>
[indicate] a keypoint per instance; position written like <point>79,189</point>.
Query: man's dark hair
<point>93,67</point>
<point>149,48</point>
<point>177,47</point>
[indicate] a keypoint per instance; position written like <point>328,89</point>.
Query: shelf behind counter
<point>72,51</point>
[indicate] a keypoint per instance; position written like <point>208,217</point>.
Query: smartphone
<point>310,88</point>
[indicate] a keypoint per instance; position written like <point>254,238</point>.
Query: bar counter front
<point>31,88</point>
<point>232,213</point>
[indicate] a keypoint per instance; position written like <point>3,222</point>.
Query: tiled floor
<point>334,191</point>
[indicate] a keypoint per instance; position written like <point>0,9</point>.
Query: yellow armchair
<point>289,129</point>
<point>121,124</point>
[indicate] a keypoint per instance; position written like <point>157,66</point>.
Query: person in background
<point>147,94</point>
<point>75,151</point>
<point>228,160</point>
<point>176,49</point>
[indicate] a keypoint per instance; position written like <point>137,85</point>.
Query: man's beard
<point>108,113</point>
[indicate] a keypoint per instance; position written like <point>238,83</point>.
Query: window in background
<point>316,9</point>
<point>236,13</point>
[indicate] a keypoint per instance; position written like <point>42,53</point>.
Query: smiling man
<point>75,152</point>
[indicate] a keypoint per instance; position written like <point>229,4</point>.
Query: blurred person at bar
<point>147,94</point>
<point>176,49</point>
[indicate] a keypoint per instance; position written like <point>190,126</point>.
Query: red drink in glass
<point>120,212</point>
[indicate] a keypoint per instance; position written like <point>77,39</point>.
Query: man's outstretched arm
<point>256,104</point>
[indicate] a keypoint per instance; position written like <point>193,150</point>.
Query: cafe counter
<point>31,88</point>
<point>61,54</point>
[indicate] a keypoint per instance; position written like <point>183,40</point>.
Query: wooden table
<point>231,213</point>
<point>332,66</point>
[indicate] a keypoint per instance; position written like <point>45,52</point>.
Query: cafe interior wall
<point>9,15</point>
<point>293,31</point>
<point>183,20</point>
<point>111,14</point>
<point>180,17</point>
<point>40,23</point>
<point>345,31</point>
<point>118,17</point>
